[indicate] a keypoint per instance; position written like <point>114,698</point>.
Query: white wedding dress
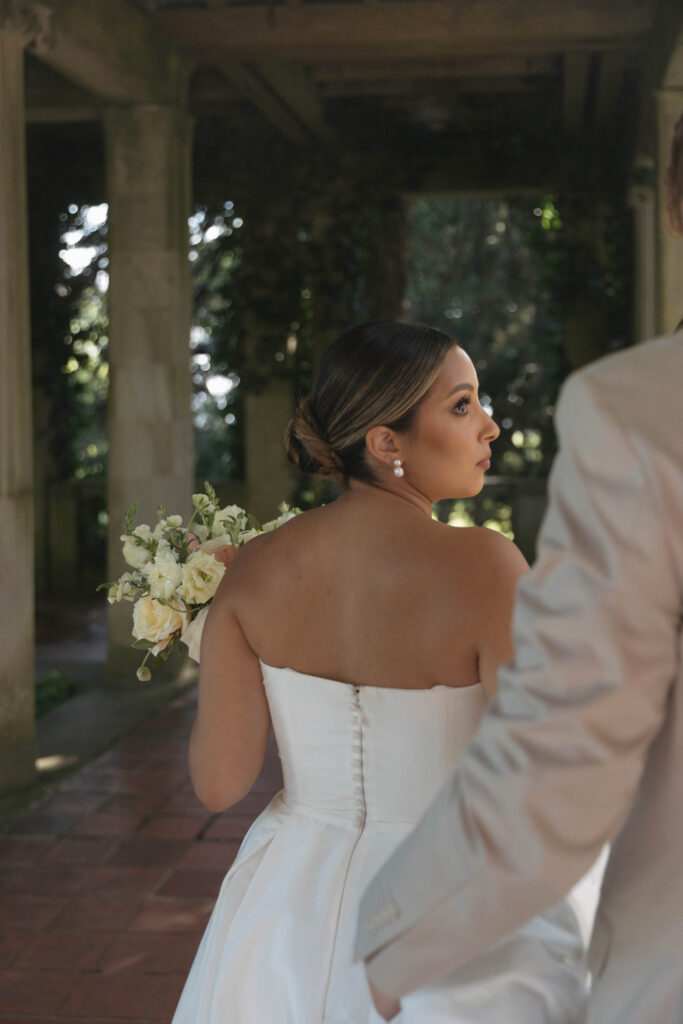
<point>360,765</point>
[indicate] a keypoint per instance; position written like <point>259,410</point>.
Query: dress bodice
<point>366,756</point>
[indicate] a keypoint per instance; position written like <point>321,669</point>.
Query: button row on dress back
<point>357,749</point>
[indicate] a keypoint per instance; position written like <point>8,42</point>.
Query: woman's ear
<point>381,444</point>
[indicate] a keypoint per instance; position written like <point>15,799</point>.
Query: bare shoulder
<point>486,551</point>
<point>262,558</point>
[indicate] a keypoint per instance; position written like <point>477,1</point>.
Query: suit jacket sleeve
<point>554,767</point>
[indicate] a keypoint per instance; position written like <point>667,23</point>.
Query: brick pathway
<point>106,887</point>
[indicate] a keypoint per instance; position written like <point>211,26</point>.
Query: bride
<point>369,635</point>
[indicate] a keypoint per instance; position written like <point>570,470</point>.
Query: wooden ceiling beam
<point>110,48</point>
<point>419,88</point>
<point>53,99</point>
<point>293,84</point>
<point>247,81</point>
<point>309,33</point>
<point>502,66</point>
<point>286,98</point>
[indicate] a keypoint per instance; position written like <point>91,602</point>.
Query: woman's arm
<point>229,736</point>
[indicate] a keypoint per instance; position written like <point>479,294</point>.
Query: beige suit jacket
<point>583,744</point>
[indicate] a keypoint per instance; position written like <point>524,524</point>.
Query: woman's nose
<point>491,429</point>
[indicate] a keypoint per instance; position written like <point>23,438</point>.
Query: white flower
<point>192,636</point>
<point>231,519</point>
<point>209,546</point>
<point>124,590</point>
<point>135,554</point>
<point>285,515</point>
<point>143,532</point>
<point>157,622</point>
<point>246,536</point>
<point>173,522</point>
<point>200,577</point>
<point>201,532</point>
<point>163,574</point>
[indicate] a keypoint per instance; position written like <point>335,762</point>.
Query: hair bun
<point>306,444</point>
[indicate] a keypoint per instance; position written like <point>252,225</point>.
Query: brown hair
<point>673,181</point>
<point>373,375</point>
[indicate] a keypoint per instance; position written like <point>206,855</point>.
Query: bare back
<point>367,591</point>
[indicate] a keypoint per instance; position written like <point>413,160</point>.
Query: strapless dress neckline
<point>468,688</point>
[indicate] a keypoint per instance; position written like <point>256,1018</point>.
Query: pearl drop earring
<point>398,468</point>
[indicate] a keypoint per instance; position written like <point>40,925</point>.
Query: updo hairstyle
<point>673,181</point>
<point>373,375</point>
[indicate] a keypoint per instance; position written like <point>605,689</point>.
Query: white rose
<point>200,577</point>
<point>201,501</point>
<point>156,622</point>
<point>163,574</point>
<point>135,554</point>
<point>193,634</point>
<point>173,522</point>
<point>143,532</point>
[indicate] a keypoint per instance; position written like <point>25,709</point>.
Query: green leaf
<point>129,518</point>
<point>143,645</point>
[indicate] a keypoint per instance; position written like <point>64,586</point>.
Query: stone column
<point>643,203</point>
<point>17,732</point>
<point>151,458</point>
<point>670,247</point>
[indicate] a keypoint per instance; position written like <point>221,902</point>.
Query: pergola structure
<point>436,87</point>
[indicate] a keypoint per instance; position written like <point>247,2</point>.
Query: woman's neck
<point>389,497</point>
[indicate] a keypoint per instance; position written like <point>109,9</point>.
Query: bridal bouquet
<point>177,569</point>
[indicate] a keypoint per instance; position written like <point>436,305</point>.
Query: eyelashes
<point>457,408</point>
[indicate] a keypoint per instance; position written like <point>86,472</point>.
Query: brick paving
<point>106,887</point>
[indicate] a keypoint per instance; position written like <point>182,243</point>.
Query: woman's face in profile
<point>447,449</point>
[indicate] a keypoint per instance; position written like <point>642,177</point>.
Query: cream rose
<point>200,577</point>
<point>156,622</point>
